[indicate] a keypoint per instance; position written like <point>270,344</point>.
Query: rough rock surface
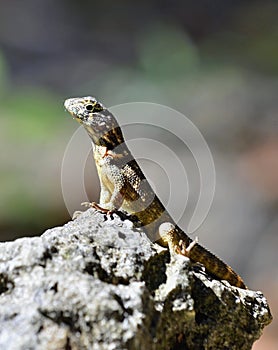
<point>99,283</point>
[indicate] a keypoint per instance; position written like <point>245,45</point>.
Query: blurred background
<point>215,61</point>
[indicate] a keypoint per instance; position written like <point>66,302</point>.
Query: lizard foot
<point>76,214</point>
<point>97,207</point>
<point>186,250</point>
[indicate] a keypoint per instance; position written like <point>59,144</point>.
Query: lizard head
<point>83,108</point>
<point>100,124</point>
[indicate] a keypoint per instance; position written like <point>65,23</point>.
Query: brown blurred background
<point>215,61</point>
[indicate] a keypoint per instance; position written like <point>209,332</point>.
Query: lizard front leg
<point>104,199</point>
<point>111,178</point>
<point>105,194</point>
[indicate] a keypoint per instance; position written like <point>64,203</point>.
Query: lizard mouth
<point>74,109</point>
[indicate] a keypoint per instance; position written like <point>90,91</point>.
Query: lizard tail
<point>213,264</point>
<point>180,243</point>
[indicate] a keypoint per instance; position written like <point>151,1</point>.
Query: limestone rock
<point>99,283</point>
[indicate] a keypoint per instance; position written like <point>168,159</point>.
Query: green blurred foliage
<point>31,124</point>
<point>32,113</point>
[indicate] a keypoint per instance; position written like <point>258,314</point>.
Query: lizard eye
<point>89,107</point>
<point>98,107</point>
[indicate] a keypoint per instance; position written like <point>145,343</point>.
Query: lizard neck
<point>104,130</point>
<point>111,139</point>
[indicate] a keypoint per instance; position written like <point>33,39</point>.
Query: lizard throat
<point>109,139</point>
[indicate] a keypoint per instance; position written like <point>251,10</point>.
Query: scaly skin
<point>124,186</point>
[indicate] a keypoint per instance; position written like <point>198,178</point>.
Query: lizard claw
<point>86,204</point>
<point>76,214</point>
<point>192,244</point>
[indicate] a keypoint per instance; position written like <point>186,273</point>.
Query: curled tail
<point>179,242</point>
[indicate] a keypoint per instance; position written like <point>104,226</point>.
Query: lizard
<point>124,187</point>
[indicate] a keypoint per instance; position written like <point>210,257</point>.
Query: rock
<point>99,283</point>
